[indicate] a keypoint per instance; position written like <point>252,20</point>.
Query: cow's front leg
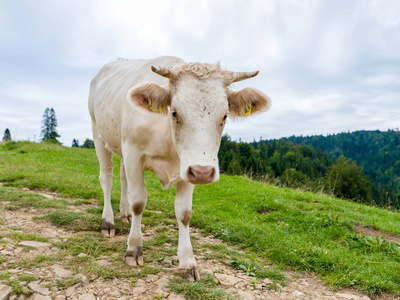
<point>124,207</point>
<point>137,198</point>
<point>183,212</point>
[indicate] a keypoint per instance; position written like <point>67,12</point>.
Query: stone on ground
<point>227,280</point>
<point>245,296</point>
<point>60,272</point>
<point>174,296</point>
<point>5,291</point>
<point>37,288</point>
<point>351,296</point>
<point>81,277</point>
<point>40,297</point>
<point>35,245</point>
<point>139,290</point>
<point>89,296</point>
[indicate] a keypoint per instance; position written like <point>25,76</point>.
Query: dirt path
<point>48,277</point>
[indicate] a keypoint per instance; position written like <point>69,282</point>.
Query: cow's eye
<point>175,116</point>
<point>224,120</point>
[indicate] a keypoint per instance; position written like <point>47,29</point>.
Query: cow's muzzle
<point>201,174</point>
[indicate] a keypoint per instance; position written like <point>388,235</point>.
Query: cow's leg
<point>183,212</point>
<point>124,209</point>
<point>137,198</point>
<point>106,173</point>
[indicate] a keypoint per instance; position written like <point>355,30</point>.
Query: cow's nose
<point>201,174</point>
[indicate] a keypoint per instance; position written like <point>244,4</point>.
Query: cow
<point>166,116</point>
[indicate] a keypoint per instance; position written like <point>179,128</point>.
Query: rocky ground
<point>61,280</point>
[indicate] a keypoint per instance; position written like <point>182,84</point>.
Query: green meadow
<point>290,228</point>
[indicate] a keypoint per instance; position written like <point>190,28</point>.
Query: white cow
<point>166,116</point>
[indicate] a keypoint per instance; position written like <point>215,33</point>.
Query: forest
<point>377,152</point>
<point>363,166</point>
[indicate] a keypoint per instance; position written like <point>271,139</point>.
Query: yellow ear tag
<point>158,109</point>
<point>248,111</point>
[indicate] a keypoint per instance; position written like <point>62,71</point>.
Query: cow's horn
<point>162,71</point>
<point>239,76</point>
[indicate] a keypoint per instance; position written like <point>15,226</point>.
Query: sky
<point>328,66</point>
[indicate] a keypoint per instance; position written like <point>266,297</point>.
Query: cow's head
<point>198,101</point>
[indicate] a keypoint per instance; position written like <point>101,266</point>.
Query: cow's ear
<point>151,97</point>
<point>247,102</point>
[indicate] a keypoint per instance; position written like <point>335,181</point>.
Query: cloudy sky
<point>328,66</point>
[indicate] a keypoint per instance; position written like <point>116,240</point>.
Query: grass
<point>204,289</point>
<point>75,221</point>
<point>291,228</point>
<point>19,199</point>
<point>23,236</point>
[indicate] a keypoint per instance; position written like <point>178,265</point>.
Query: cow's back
<point>108,92</point>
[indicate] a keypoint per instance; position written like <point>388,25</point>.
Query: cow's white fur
<point>171,146</point>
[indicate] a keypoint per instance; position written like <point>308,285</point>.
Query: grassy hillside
<point>295,229</point>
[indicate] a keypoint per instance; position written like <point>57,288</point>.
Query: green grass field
<point>291,228</point>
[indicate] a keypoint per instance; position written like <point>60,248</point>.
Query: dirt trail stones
<point>37,288</point>
<point>38,246</point>
<point>351,296</point>
<point>174,296</point>
<point>40,297</point>
<point>227,280</point>
<point>5,292</point>
<point>60,272</point>
<point>88,296</point>
<point>103,262</point>
<point>90,286</point>
<point>7,252</point>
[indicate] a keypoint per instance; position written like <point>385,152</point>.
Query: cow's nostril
<point>201,174</point>
<point>191,175</point>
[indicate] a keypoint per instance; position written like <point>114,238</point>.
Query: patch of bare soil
<point>46,286</point>
<point>366,230</point>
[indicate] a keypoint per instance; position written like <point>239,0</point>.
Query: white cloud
<point>328,66</point>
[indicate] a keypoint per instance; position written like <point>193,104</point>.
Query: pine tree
<point>7,135</point>
<point>49,124</point>
<point>46,125</point>
<point>75,143</point>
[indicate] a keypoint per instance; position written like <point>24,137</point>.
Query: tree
<point>7,135</point>
<point>234,166</point>
<point>347,180</point>
<point>89,144</point>
<point>49,124</point>
<point>75,143</point>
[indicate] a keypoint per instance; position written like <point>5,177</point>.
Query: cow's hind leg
<point>124,208</point>
<point>183,212</point>
<point>106,173</point>
<point>137,198</point>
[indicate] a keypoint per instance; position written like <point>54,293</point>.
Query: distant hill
<point>378,152</point>
<point>297,166</point>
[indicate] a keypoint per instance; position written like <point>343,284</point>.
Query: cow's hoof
<point>191,274</point>
<point>134,257</point>
<point>123,219</point>
<point>107,229</point>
